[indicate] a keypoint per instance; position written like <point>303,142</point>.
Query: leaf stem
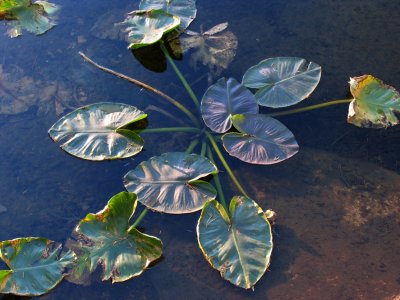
<point>203,148</point>
<point>307,108</point>
<point>141,216</point>
<point>192,145</point>
<point>225,164</point>
<point>145,86</point>
<point>180,75</point>
<point>217,181</point>
<point>168,129</point>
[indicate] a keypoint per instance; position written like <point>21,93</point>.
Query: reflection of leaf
<point>375,104</point>
<point>104,27</point>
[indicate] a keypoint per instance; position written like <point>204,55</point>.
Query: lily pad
<point>375,104</point>
<point>107,238</point>
<point>146,27</point>
<point>184,9</point>
<point>97,131</point>
<point>36,266</point>
<point>282,81</point>
<point>224,99</point>
<point>262,140</point>
<point>170,183</point>
<point>238,244</point>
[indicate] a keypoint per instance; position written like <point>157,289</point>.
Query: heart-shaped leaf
<point>96,131</point>
<point>106,238</point>
<point>170,183</point>
<point>224,99</point>
<point>375,104</point>
<point>36,266</point>
<point>282,81</point>
<point>146,27</point>
<point>239,246</point>
<point>262,140</point>
<point>184,9</point>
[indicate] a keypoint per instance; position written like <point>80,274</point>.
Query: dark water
<point>337,234</point>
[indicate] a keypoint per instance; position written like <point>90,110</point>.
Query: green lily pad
<point>375,104</point>
<point>282,81</point>
<point>170,183</point>
<point>184,9</point>
<point>106,238</point>
<point>262,140</point>
<point>146,27</point>
<point>97,131</point>
<point>36,266</point>
<point>224,99</point>
<point>239,246</point>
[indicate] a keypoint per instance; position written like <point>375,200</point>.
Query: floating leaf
<point>282,81</point>
<point>262,140</point>
<point>375,104</point>
<point>223,100</point>
<point>184,9</point>
<point>170,182</point>
<point>146,27</point>
<point>106,238</point>
<point>36,266</point>
<point>239,246</point>
<point>97,131</point>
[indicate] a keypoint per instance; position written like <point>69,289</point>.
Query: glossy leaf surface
<point>96,131</point>
<point>106,238</point>
<point>146,27</point>
<point>239,246</point>
<point>170,183</point>
<point>184,9</point>
<point>375,104</point>
<point>224,99</point>
<point>262,140</point>
<point>36,266</point>
<point>282,81</point>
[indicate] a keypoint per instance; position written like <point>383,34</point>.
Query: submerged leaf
<point>106,238</point>
<point>184,9</point>
<point>36,266</point>
<point>375,104</point>
<point>97,131</point>
<point>170,182</point>
<point>282,81</point>
<point>239,246</point>
<point>262,140</point>
<point>223,100</point>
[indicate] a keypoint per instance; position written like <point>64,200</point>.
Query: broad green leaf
<point>375,104</point>
<point>36,266</point>
<point>96,131</point>
<point>146,27</point>
<point>6,5</point>
<point>238,245</point>
<point>262,140</point>
<point>282,81</point>
<point>184,9</point>
<point>107,239</point>
<point>224,99</point>
<point>170,183</point>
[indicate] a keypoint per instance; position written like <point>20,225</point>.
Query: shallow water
<point>337,234</point>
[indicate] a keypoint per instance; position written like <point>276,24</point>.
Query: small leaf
<point>223,100</point>
<point>282,81</point>
<point>375,104</point>
<point>96,131</point>
<point>184,9</point>
<point>106,238</point>
<point>36,266</point>
<point>170,183</point>
<point>262,140</point>
<point>239,246</point>
<point>146,27</point>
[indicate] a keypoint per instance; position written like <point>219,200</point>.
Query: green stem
<point>192,145</point>
<point>137,221</point>
<point>217,182</point>
<point>307,108</point>
<point>203,148</point>
<point>168,129</point>
<point>181,77</point>
<point>225,164</point>
<point>145,86</point>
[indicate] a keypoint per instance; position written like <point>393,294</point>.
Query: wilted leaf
<point>375,104</point>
